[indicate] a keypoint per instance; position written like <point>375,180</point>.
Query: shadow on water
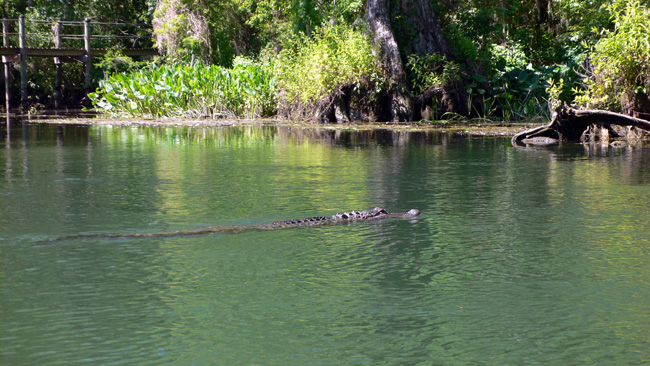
<point>21,131</point>
<point>16,121</point>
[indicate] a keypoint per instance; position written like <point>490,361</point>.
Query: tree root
<point>574,125</point>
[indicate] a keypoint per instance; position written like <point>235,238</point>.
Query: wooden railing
<point>61,54</point>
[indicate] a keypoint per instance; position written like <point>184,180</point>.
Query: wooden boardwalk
<point>21,52</point>
<point>13,53</point>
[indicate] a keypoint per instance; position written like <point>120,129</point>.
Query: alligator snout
<point>412,213</point>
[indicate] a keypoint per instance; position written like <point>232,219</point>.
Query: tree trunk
<point>378,18</point>
<point>429,38</point>
<point>541,7</point>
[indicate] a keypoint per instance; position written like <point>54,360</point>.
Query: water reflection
<point>520,256</point>
<point>248,135</point>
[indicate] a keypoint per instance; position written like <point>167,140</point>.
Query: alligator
<point>540,141</point>
<point>376,213</point>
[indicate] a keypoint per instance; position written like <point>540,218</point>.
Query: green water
<point>521,256</point>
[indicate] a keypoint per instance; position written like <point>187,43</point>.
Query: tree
<point>181,30</point>
<point>426,38</point>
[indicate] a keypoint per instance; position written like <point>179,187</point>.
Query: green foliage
<point>304,74</point>
<point>433,71</point>
<point>520,93</point>
<point>246,90</point>
<point>621,59</point>
<point>527,50</point>
<point>562,82</point>
<point>300,16</point>
<point>514,90</point>
<point>464,48</point>
<point>181,31</point>
<point>546,31</point>
<point>311,69</point>
<point>135,11</point>
<point>581,24</point>
<point>248,27</point>
<point>508,56</point>
<point>115,61</point>
<point>521,53</point>
<point>524,93</point>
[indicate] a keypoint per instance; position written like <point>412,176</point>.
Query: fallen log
<point>575,125</point>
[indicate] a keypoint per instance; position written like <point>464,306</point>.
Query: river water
<point>521,256</point>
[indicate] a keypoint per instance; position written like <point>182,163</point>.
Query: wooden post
<point>5,61</point>
<point>23,62</point>
<point>88,56</point>
<point>57,63</point>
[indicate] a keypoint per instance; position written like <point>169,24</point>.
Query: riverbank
<point>479,128</point>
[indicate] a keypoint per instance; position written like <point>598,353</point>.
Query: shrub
<point>620,59</point>
<point>313,68</point>
<point>508,56</point>
<point>433,70</point>
<point>115,61</point>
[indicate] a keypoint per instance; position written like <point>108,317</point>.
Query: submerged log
<point>574,125</point>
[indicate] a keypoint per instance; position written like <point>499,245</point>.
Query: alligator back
<point>308,221</point>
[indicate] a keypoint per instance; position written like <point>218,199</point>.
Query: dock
<point>60,54</point>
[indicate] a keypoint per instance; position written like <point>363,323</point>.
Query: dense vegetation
<point>245,89</point>
<point>509,59</point>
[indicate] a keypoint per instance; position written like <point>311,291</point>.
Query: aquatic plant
<point>245,90</point>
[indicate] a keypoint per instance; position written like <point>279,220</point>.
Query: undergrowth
<point>310,69</point>
<point>302,74</point>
